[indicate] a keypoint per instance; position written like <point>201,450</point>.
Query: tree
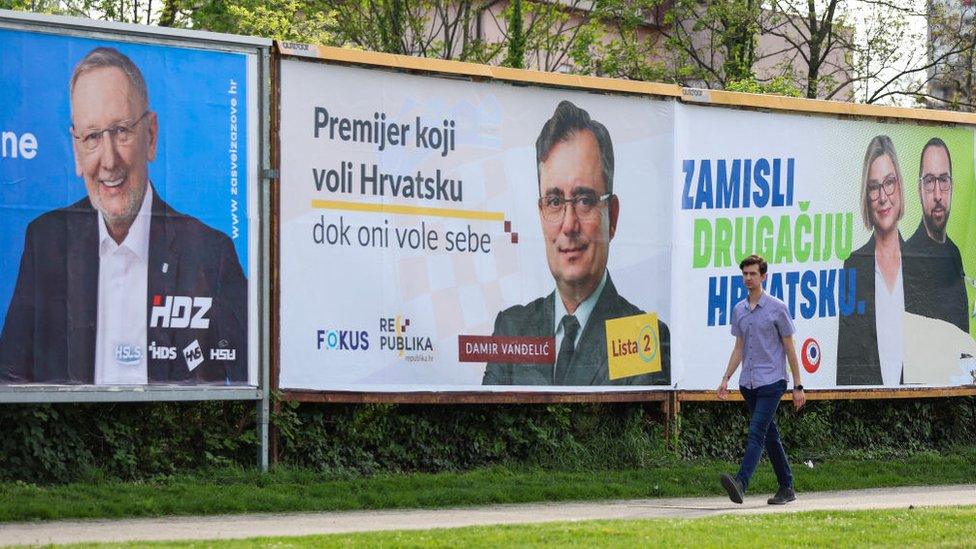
<point>709,44</point>
<point>37,6</point>
<point>516,41</point>
<point>284,20</point>
<point>125,11</point>
<point>552,31</point>
<point>615,39</point>
<point>834,49</point>
<point>813,32</point>
<point>780,85</point>
<point>866,49</point>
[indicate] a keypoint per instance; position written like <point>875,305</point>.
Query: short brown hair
<point>567,121</point>
<point>754,260</point>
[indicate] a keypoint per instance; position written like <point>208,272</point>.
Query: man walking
<point>763,333</point>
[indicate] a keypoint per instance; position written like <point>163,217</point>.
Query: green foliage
<point>835,428</point>
<point>285,489</point>
<point>516,32</point>
<point>614,42</point>
<point>63,442</point>
<point>713,43</point>
<point>28,5</point>
<point>379,437</point>
<point>781,85</point>
<point>741,33</point>
<point>391,24</point>
<point>284,20</point>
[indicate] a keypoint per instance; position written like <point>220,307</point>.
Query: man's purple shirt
<point>762,331</point>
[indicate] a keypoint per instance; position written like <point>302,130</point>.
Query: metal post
<point>263,412</point>
<point>267,177</point>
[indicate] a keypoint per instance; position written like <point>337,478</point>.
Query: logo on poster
<point>810,355</point>
<point>128,354</point>
<point>180,311</point>
<point>394,337</point>
<point>223,354</point>
<point>158,352</point>
<point>193,354</point>
<point>342,340</point>
<point>633,345</point>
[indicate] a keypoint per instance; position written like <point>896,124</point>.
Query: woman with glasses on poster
<point>869,340</point>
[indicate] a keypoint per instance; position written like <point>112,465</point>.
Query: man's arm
<point>734,360</point>
<point>799,399</point>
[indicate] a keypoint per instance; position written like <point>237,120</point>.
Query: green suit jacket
<point>589,363</point>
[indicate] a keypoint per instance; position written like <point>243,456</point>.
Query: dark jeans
<point>763,402</point>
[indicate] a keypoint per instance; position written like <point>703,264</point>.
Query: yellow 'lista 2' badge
<point>633,345</point>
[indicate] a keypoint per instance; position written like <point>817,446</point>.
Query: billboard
<point>449,235</point>
<point>436,233</point>
<point>128,233</point>
<point>868,230</point>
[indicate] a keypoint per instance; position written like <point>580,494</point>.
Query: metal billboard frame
<point>460,71</point>
<point>258,111</point>
<point>668,397</point>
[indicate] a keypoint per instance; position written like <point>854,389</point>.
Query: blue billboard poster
<point>125,224</point>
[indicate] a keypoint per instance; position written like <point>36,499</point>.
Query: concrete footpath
<point>300,524</point>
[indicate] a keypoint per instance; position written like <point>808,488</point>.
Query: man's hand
<point>734,359</point>
<point>799,398</point>
<point>723,390</point>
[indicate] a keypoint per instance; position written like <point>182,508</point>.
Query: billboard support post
<point>267,176</point>
<point>262,417</point>
<point>255,55</point>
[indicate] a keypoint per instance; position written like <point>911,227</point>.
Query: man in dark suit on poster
<point>578,212</point>
<point>119,288</point>
<point>934,277</point>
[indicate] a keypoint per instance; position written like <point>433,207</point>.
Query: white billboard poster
<point>867,231</point>
<point>447,235</point>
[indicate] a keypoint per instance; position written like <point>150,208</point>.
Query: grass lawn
<point>923,527</point>
<point>233,491</point>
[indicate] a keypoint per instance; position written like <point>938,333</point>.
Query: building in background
<point>951,57</point>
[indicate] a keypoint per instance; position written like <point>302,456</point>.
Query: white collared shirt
<point>889,308</point>
<point>582,313</point>
<point>123,278</point>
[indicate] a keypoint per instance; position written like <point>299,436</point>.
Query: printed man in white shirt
<point>578,212</point>
<point>119,288</point>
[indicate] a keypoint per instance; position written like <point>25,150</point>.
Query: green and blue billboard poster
<point>868,231</point>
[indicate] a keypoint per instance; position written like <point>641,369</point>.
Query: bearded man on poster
<point>935,280</point>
